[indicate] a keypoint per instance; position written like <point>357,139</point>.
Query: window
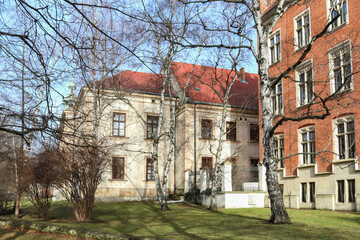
<point>206,128</point>
<point>312,191</point>
<point>307,147</point>
<point>254,171</point>
<point>278,149</point>
<point>351,189</point>
<point>118,168</point>
<point>340,184</point>
<point>277,99</point>
<point>231,131</point>
<point>254,132</point>
<point>302,30</point>
<point>275,47</point>
<point>345,138</point>
<point>338,8</point>
<point>152,126</point>
<point>150,170</point>
<point>304,77</point>
<point>119,124</point>
<point>206,162</point>
<point>340,68</point>
<point>303,192</point>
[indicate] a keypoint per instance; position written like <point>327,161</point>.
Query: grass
<point>11,233</point>
<point>193,222</point>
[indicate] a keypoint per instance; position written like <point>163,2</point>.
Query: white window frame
<point>337,122</point>
<point>278,150</point>
<point>340,51</point>
<point>306,37</point>
<point>341,20</point>
<point>307,85</point>
<point>277,99</point>
<point>276,46</point>
<point>305,156</point>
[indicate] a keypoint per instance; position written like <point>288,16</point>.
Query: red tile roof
<point>202,81</point>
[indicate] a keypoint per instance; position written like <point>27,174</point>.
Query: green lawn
<point>193,222</point>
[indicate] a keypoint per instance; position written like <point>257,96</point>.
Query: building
<point>318,163</point>
<point>129,96</point>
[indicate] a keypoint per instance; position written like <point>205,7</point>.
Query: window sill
<point>324,173</point>
<point>337,28</point>
<point>341,92</point>
<point>274,63</point>
<point>119,137</point>
<point>291,176</point>
<point>149,181</point>
<point>300,107</point>
<point>306,165</point>
<point>343,161</point>
<point>117,180</point>
<point>206,139</point>
<point>280,169</point>
<point>299,49</point>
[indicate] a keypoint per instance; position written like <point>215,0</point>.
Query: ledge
<point>291,176</point>
<point>343,161</point>
<point>306,165</point>
<point>324,173</point>
<point>117,180</point>
<point>280,169</point>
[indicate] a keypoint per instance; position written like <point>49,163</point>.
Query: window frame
<point>275,47</point>
<point>150,169</point>
<point>304,192</point>
<point>307,156</point>
<point>277,99</point>
<point>306,86</point>
<point>351,190</point>
<point>118,128</point>
<point>278,148</point>
<point>350,151</point>
<point>151,126</point>
<point>340,191</point>
<point>231,131</point>
<point>207,162</point>
<point>305,29</point>
<point>312,191</point>
<point>339,52</point>
<point>206,129</point>
<point>119,167</point>
<point>254,133</point>
<point>341,21</point>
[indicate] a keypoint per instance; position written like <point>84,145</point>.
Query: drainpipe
<point>175,151</point>
<point>195,146</point>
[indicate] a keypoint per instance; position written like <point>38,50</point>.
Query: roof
<point>202,81</point>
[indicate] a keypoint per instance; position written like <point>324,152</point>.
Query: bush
<point>193,196</point>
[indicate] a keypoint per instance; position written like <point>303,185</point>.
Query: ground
<point>186,221</point>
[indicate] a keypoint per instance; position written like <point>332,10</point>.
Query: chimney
<point>242,74</point>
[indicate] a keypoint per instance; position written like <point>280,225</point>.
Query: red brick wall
<point>319,54</point>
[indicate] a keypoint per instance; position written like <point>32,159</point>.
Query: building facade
<point>130,114</point>
<point>316,151</point>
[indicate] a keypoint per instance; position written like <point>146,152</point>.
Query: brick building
<point>317,157</point>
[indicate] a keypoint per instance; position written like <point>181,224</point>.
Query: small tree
<point>82,167</point>
<point>44,174</point>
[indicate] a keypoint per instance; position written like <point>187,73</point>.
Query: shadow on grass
<point>5,232</point>
<point>186,221</point>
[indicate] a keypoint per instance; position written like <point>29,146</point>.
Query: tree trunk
<point>278,211</point>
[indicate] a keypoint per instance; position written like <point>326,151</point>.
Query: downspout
<point>195,146</point>
<point>175,152</point>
